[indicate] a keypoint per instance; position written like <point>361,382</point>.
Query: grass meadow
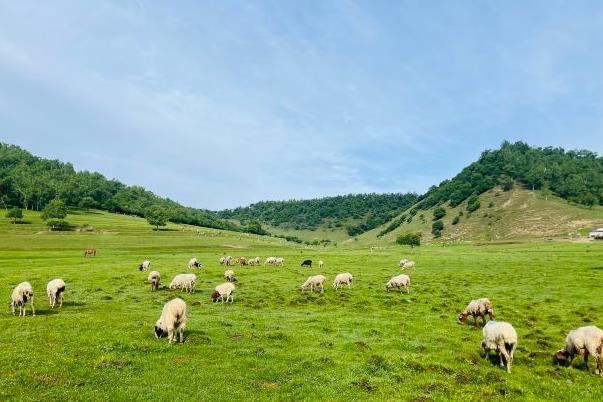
<point>276,343</point>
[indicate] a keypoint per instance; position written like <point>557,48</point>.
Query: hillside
<point>502,215</point>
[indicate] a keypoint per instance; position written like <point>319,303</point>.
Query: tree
<point>410,239</point>
<point>436,228</point>
<point>14,214</point>
<point>58,224</point>
<point>156,216</point>
<point>456,220</point>
<point>439,213</point>
<point>56,209</point>
<point>473,203</point>
<point>87,203</point>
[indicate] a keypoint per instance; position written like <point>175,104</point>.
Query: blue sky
<point>224,103</point>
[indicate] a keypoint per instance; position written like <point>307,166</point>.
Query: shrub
<point>58,225</point>
<point>56,209</point>
<point>473,203</point>
<point>14,214</point>
<point>439,213</point>
<point>456,220</point>
<point>409,239</point>
<point>437,227</point>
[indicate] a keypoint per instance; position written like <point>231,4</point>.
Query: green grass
<point>275,342</point>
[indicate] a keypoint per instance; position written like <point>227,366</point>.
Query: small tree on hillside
<point>156,216</point>
<point>410,239</point>
<point>436,228</point>
<point>15,214</point>
<point>473,203</point>
<point>439,213</point>
<point>56,209</point>
<point>87,203</point>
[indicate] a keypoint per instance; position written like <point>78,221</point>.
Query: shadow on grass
<point>73,304</point>
<point>21,223</point>
<point>598,268</point>
<point>47,311</point>
<point>165,230</point>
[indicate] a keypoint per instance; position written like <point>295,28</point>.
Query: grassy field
<point>275,343</point>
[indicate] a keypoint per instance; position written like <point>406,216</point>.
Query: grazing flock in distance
<point>499,336</point>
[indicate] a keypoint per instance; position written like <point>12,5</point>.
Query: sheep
<point>306,263</point>
<point>224,290</point>
<point>402,262</point>
<point>144,266</point>
<point>154,279</point>
<point>500,336</point>
<point>343,279</point>
<point>194,262</point>
<point>409,264</point>
<point>257,260</point>
<point>173,317</point>
<point>21,294</point>
<point>229,275</point>
<point>321,263</point>
<point>270,261</point>
<point>586,341</point>
<point>280,261</point>
<point>186,282</point>
<point>222,260</point>
<point>477,308</point>
<point>314,281</point>
<point>55,290</point>
<point>400,281</point>
<point>241,261</point>
<point>228,260</point>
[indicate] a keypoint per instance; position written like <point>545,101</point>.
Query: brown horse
<point>90,252</point>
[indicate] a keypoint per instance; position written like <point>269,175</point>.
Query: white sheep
<point>409,264</point>
<point>321,263</point>
<point>501,337</point>
<point>280,261</point>
<point>55,290</point>
<point>154,279</point>
<point>229,275</point>
<point>22,293</point>
<point>343,279</point>
<point>173,317</point>
<point>224,290</point>
<point>270,261</point>
<point>586,341</point>
<point>477,308</point>
<point>257,260</point>
<point>314,281</point>
<point>400,281</point>
<point>194,263</point>
<point>145,265</point>
<point>402,262</point>
<point>186,282</point>
<point>222,260</point>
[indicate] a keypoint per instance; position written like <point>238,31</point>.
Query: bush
<point>409,239</point>
<point>506,183</point>
<point>473,203</point>
<point>157,216</point>
<point>14,214</point>
<point>439,213</point>
<point>437,227</point>
<point>56,209</point>
<point>456,220</point>
<point>58,225</point>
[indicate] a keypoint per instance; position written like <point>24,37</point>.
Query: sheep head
<point>159,333</point>
<point>560,356</point>
<point>214,296</point>
<point>462,317</point>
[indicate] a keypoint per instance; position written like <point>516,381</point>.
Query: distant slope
<point>515,214</point>
<point>356,213</point>
<point>31,182</point>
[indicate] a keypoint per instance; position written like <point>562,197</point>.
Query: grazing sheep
<point>586,341</point>
<point>251,261</point>
<point>501,337</point>
<point>55,290</point>
<point>241,261</point>
<point>224,290</point>
<point>186,282</point>
<point>408,264</point>
<point>477,308</point>
<point>343,279</point>
<point>314,281</point>
<point>194,262</point>
<point>400,281</point>
<point>402,262</point>
<point>21,294</point>
<point>270,261</point>
<point>280,261</point>
<point>154,279</point>
<point>222,260</point>
<point>145,265</point>
<point>229,275</point>
<point>257,260</point>
<point>173,317</point>
<point>321,263</point>
<point>228,260</point>
<point>307,263</point>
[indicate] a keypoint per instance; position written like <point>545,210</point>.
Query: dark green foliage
<point>55,209</point>
<point>410,239</point>
<point>256,228</point>
<point>393,225</point>
<point>573,175</point>
<point>473,203</point>
<point>456,220</point>
<point>15,214</point>
<point>31,183</point>
<point>58,224</point>
<point>439,213</point>
<point>157,216</point>
<point>436,228</point>
<point>371,210</point>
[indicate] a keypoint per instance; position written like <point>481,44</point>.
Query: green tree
<point>14,213</point>
<point>87,203</point>
<point>56,209</point>
<point>436,228</point>
<point>439,213</point>
<point>456,220</point>
<point>156,216</point>
<point>410,239</point>
<point>473,203</point>
<point>58,224</point>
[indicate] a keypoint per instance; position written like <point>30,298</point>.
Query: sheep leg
<point>171,335</point>
<point>586,358</point>
<point>322,288</point>
<point>61,301</point>
<point>33,308</point>
<point>503,353</point>
<point>408,289</point>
